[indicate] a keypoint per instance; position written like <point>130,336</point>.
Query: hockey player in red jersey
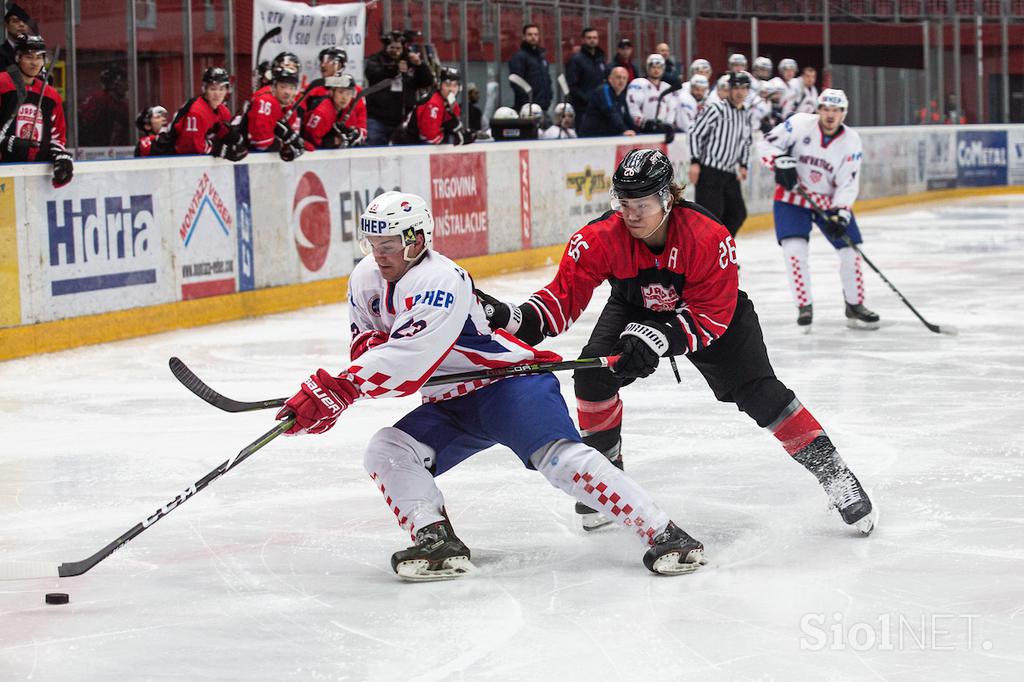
<point>414,314</point>
<point>675,291</point>
<point>31,113</point>
<point>273,122</point>
<point>332,63</point>
<point>336,120</point>
<point>149,122</point>
<point>265,72</point>
<point>438,118</point>
<point>203,120</point>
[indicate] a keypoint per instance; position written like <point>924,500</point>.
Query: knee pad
<point>391,447</point>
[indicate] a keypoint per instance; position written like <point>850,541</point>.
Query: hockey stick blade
<point>17,570</point>
<point>944,329</point>
<point>193,383</point>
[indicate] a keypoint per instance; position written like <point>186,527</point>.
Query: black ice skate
<point>805,317</point>
<point>859,317</point>
<point>674,552</point>
<point>591,519</point>
<point>437,554</point>
<point>844,491</point>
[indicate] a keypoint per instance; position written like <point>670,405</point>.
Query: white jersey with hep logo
<point>642,101</point>
<point>435,325</point>
<point>828,169</point>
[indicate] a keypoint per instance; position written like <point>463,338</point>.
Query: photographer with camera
<point>408,72</point>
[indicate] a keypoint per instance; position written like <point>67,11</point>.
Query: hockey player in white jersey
<point>414,313</point>
<point>689,105</point>
<point>720,92</point>
<point>823,156</point>
<point>802,94</point>
<point>766,111</point>
<point>698,66</point>
<point>651,112</point>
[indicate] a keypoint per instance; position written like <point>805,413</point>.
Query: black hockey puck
<point>57,598</point>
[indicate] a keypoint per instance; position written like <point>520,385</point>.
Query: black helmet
<point>641,173</point>
<point>146,115</point>
<point>449,73</point>
<point>393,37</point>
<point>216,75</point>
<point>287,59</point>
<point>263,71</point>
<point>333,54</point>
<point>29,43</point>
<point>739,79</point>
<point>283,74</point>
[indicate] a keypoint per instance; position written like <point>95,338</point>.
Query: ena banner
<point>307,30</point>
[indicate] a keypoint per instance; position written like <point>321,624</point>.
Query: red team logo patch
<point>311,221</point>
<point>658,298</point>
<point>815,176</point>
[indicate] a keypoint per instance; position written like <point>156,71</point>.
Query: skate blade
<point>592,522</point>
<point>862,325</point>
<point>867,523</point>
<point>419,570</point>
<point>669,564</point>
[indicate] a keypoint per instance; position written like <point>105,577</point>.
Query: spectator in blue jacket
<point>585,71</point>
<point>606,108</point>
<point>530,63</point>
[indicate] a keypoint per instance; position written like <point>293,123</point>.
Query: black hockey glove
<point>286,135</point>
<point>835,226</point>
<point>499,314</point>
<point>63,166</point>
<point>350,137</point>
<point>16,148</point>
<point>639,348</point>
<point>451,126</point>
<point>289,152</point>
<point>785,172</point>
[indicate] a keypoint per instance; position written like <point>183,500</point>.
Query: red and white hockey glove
<point>365,341</point>
<point>318,404</point>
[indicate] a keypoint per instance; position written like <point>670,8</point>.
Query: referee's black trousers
<point>719,192</point>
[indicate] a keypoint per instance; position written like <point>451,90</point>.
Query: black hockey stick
<point>193,383</point>
<point>22,570</point>
<point>272,33</point>
<point>944,329</point>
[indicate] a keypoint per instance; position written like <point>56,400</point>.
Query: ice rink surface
<point>280,570</point>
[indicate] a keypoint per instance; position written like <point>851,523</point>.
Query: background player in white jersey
<point>698,66</point>
<point>720,92</point>
<point>563,125</point>
<point>787,72</point>
<point>823,156</point>
<point>689,105</point>
<point>802,96</point>
<point>766,111</point>
<point>649,110</point>
<point>414,313</point>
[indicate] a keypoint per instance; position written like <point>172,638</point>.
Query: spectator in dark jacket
<point>585,71</point>
<point>671,75</point>
<point>606,108</point>
<point>530,63</point>
<point>386,110</point>
<point>624,58</point>
<point>16,22</point>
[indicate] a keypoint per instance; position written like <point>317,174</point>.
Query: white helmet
<point>722,83</point>
<point>564,108</point>
<point>787,64</point>
<point>530,110</point>
<point>737,59</point>
<point>831,97</point>
<point>699,80</point>
<point>397,214</point>
<point>655,60</point>
<point>763,63</point>
<point>702,66</point>
<point>504,114</point>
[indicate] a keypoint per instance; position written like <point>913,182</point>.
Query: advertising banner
<point>96,245</point>
<point>568,190</point>
<point>205,230</point>
<point>10,294</point>
<point>243,221</point>
<point>981,158</point>
<point>307,30</point>
<point>940,159</point>
<point>1015,150</point>
<point>458,196</point>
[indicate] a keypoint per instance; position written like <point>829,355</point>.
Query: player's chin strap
<point>417,258</point>
<point>660,225</point>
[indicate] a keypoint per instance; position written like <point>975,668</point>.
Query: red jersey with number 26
<point>693,281</point>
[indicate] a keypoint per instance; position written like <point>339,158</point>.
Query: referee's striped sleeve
<point>701,130</point>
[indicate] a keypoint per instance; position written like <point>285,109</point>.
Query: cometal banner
<point>126,234</point>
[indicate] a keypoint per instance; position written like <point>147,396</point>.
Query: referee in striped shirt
<point>719,149</point>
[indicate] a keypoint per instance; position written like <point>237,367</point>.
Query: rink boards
<point>141,246</point>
